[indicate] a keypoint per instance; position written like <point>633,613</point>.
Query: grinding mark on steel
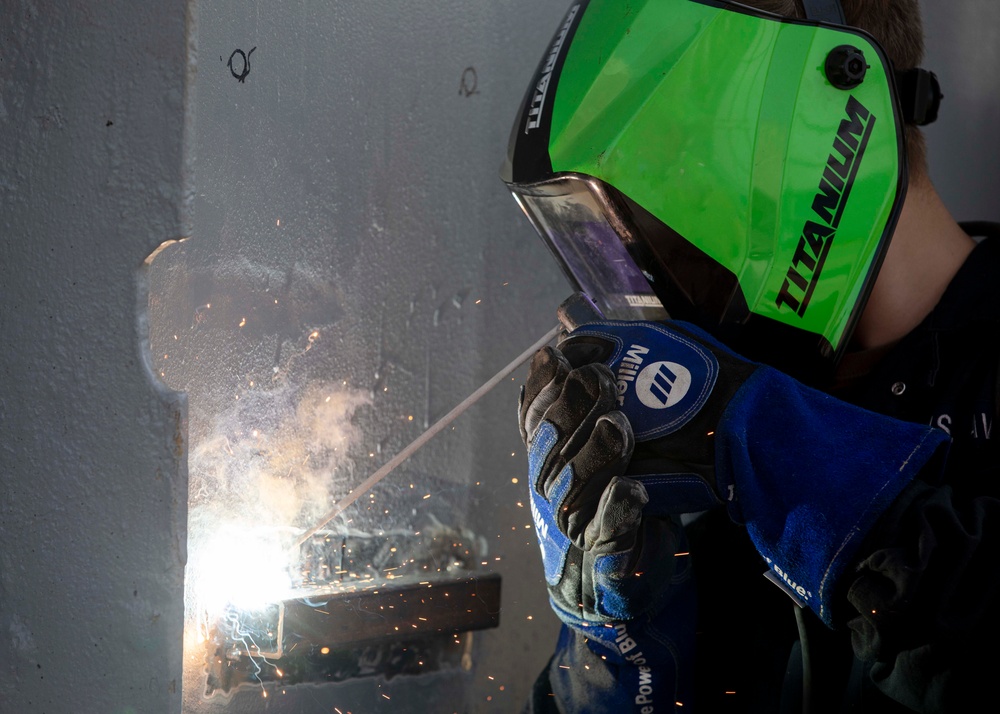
<point>440,424</point>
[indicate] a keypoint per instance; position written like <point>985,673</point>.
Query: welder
<point>761,476</point>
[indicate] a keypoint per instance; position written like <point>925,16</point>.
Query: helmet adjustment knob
<point>846,67</point>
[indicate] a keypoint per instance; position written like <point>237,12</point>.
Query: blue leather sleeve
<point>811,475</point>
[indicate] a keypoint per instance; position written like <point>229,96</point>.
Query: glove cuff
<point>809,476</point>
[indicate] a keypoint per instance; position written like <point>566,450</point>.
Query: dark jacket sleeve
<point>926,600</point>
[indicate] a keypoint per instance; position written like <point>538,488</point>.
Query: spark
<point>325,650</point>
<point>243,321</point>
<point>513,480</point>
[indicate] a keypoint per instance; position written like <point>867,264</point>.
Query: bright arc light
<point>239,566</point>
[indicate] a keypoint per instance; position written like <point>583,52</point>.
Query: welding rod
<point>437,426</point>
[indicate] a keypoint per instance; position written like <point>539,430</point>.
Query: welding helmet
<point>705,161</point>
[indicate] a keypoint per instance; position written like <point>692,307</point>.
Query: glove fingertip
<point>617,423</point>
<point>618,516</point>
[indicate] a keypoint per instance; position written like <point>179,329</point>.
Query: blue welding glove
<point>588,518</point>
<point>806,473</point>
<point>611,570</point>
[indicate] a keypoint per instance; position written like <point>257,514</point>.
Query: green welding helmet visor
<point>709,162</point>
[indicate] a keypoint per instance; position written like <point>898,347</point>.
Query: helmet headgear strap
<point>824,11</point>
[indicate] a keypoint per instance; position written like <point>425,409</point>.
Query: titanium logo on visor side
<point>828,205</point>
<point>643,301</point>
<point>542,88</point>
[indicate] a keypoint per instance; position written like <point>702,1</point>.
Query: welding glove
<point>806,473</point>
<point>589,519</point>
<point>614,579</point>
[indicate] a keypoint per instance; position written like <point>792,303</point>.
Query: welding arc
<point>437,426</point>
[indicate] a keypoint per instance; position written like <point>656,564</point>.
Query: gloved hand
<point>611,569</point>
<point>807,473</point>
<point>603,561</point>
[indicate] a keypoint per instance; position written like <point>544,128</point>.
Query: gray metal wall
<point>373,132</point>
<point>93,486</point>
<point>352,240</point>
